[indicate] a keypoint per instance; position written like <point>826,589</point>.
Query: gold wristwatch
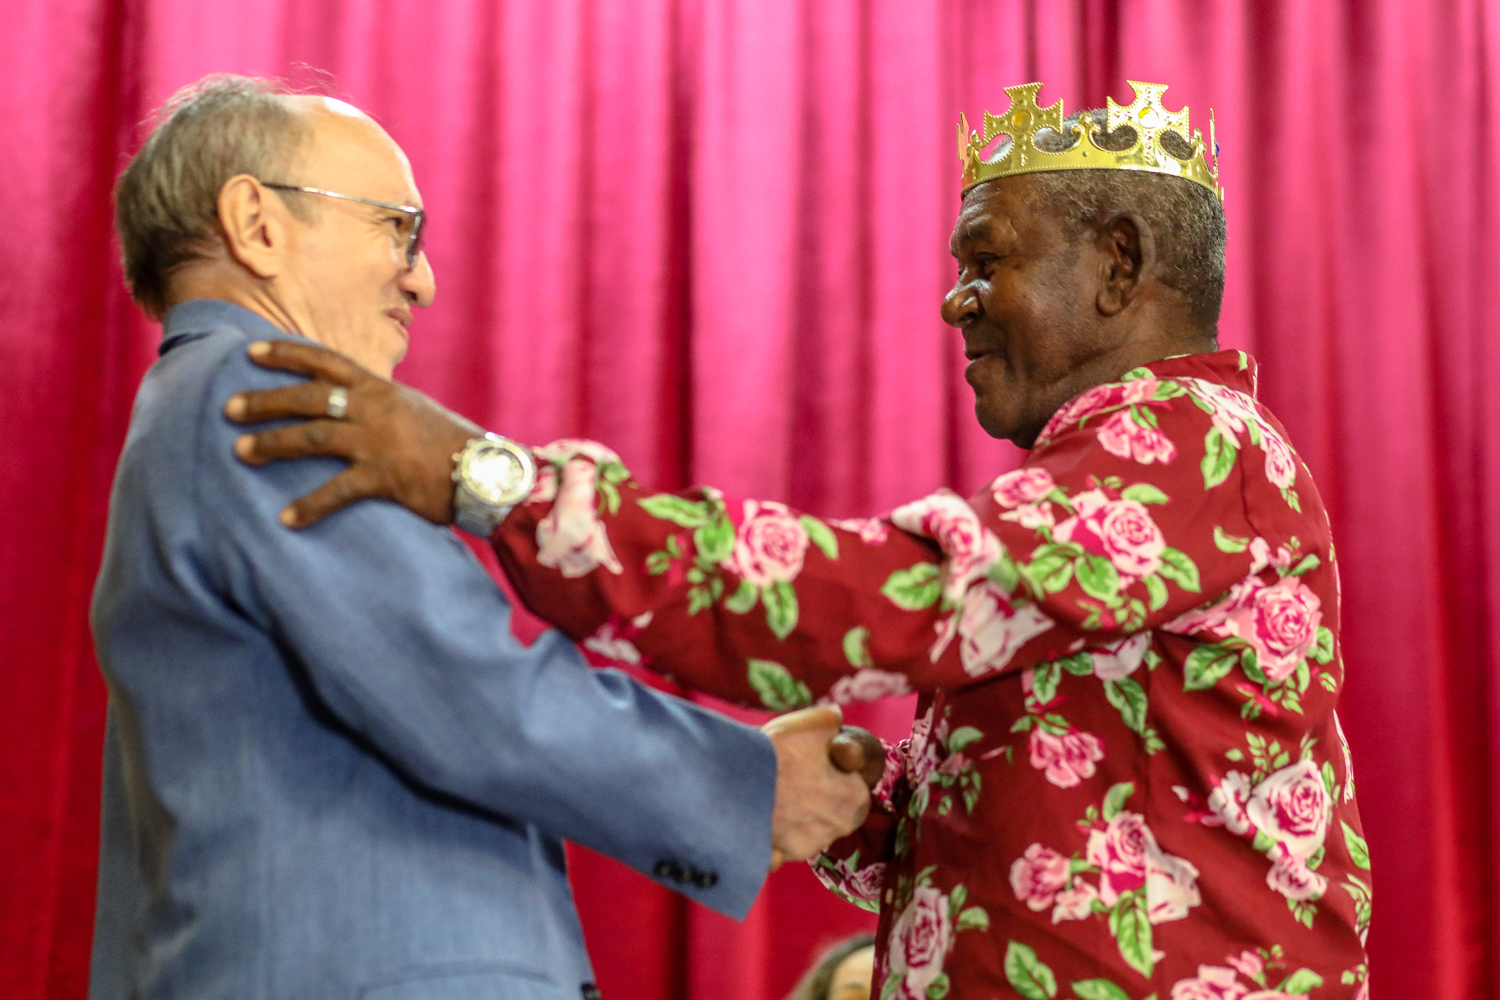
<point>491,475</point>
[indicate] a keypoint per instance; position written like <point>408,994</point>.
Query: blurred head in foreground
<point>844,972</point>
<point>300,208</point>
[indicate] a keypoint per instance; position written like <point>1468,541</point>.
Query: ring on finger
<point>338,403</point>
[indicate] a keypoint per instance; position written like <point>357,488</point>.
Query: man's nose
<point>419,283</point>
<point>960,305</point>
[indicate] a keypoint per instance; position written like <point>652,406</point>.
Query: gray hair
<point>1185,217</point>
<point>166,201</point>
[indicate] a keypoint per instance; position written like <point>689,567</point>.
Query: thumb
<point>829,717</point>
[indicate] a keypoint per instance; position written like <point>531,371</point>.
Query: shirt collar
<point>198,317</point>
<point>1234,369</point>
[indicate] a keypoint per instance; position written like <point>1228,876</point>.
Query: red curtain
<point>713,234</point>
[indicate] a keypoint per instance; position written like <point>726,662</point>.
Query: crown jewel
<point>1145,114</point>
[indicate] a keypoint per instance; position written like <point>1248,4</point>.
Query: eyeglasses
<point>417,216</point>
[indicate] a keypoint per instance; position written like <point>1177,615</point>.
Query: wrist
<point>491,474</point>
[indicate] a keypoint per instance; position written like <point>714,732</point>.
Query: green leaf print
<point>1079,664</point>
<point>857,647</point>
<point>715,540</point>
<point>778,689</point>
<point>687,513</point>
<point>1044,680</point>
<point>972,919</point>
<point>1130,698</point>
<point>1330,781</point>
<point>938,988</point>
<point>1097,576</point>
<point>614,472</point>
<point>1229,543</point>
<point>1359,851</point>
<point>1115,799</point>
<point>1099,989</point>
<point>962,737</point>
<point>1303,981</point>
<point>1219,453</point>
<point>743,600</point>
<point>1027,974</point>
<point>1178,567</point>
<point>1143,493</point>
<point>914,588</point>
<point>1156,592</point>
<point>1322,650</point>
<point>1131,926</point>
<point>1052,566</point>
<point>1003,573</point>
<point>1309,563</point>
<point>821,535</point>
<point>1207,665</point>
<point>781,608</point>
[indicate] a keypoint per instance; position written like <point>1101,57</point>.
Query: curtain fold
<point>713,233</point>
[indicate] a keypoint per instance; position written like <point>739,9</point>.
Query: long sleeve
<point>405,640</point>
<point>1105,532</point>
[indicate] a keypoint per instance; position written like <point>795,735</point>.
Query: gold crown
<point>1023,120</point>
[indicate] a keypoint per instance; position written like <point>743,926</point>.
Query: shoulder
<point>1143,421</point>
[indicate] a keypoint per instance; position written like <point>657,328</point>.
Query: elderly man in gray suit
<point>330,771</point>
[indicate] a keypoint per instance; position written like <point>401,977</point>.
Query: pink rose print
<point>571,538</point>
<point>868,685</point>
<point>1038,876</point>
<point>1291,807</point>
<point>612,642</point>
<point>769,544</point>
<point>565,449</point>
<point>947,519</point>
<point>1096,400</point>
<point>1232,410</point>
<point>1213,982</point>
<point>1274,995</point>
<point>1121,659</point>
<point>1120,530</point>
<point>895,770</point>
<point>1290,876</point>
<point>1031,515</point>
<point>545,490</point>
<point>1123,437</point>
<point>871,530</point>
<point>1227,801</point>
<point>1075,902</point>
<point>1171,886</point>
<point>1281,624</point>
<point>920,941</point>
<point>1022,486</point>
<point>1119,852</point>
<point>1066,760</point>
<point>992,630</point>
<point>1248,963</point>
<point>921,749</point>
<point>1281,468</point>
<point>1213,616</point>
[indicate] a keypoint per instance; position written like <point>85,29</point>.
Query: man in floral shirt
<point>1126,776</point>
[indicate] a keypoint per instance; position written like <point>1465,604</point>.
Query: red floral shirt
<point>1126,776</point>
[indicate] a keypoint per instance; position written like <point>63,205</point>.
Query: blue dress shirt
<point>330,770</point>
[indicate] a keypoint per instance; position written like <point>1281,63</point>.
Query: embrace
<point>1126,777</point>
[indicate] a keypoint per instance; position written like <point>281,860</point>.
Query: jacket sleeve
<point>1121,520</point>
<point>405,638</point>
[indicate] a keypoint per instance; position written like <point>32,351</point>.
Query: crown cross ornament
<point>1145,115</point>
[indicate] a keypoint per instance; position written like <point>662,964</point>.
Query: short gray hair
<point>166,201</point>
<point>1186,217</point>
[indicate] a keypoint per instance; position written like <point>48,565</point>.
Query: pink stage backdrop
<point>713,233</point>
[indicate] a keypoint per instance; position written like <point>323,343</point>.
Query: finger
<point>306,359</point>
<point>817,717</point>
<point>332,438</point>
<point>336,494</point>
<point>305,399</point>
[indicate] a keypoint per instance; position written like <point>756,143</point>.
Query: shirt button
<point>669,870</point>
<point>706,880</point>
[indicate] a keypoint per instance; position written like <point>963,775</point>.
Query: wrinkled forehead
<point>996,211</point>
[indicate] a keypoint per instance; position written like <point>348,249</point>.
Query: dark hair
<point>1186,217</point>
<point>816,983</point>
<point>166,201</point>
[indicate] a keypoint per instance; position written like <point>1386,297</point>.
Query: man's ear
<point>254,224</point>
<point>1127,252</point>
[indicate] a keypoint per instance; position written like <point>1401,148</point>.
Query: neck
<point>210,280</point>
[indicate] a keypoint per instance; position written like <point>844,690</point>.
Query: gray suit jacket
<point>330,771</point>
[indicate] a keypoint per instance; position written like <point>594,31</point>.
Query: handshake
<point>824,774</point>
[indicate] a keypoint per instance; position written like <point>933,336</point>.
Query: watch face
<point>497,475</point>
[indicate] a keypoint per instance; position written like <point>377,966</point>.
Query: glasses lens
<point>414,242</point>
